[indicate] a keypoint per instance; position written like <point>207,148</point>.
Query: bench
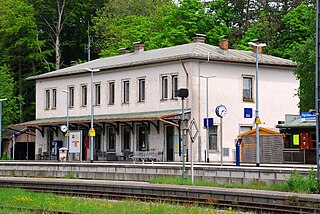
<point>144,156</point>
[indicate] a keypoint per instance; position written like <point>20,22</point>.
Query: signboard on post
<point>75,142</point>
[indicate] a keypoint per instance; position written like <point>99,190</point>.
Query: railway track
<point>83,190</point>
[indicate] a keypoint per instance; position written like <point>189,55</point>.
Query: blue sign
<point>307,115</point>
<point>210,122</point>
<point>247,112</point>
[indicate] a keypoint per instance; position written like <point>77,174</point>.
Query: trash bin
<point>63,154</point>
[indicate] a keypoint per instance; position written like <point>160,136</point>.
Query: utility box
<point>63,151</point>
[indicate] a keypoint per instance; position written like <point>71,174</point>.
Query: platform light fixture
<point>92,131</point>
<point>257,45</point>
<point>183,93</point>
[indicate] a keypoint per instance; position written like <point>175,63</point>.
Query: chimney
<point>199,38</point>
<point>124,51</point>
<point>254,49</point>
<point>224,44</point>
<point>138,47</point>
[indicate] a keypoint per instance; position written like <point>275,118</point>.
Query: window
<point>164,82</point>
<point>213,138</point>
<point>47,99</point>
<point>247,89</point>
<point>174,86</point>
<point>111,93</point>
<point>54,99</point>
<point>84,95</point>
<point>244,128</point>
<point>126,91</point>
<point>126,138</point>
<point>142,90</point>
<point>111,139</point>
<point>97,93</point>
<point>71,97</point>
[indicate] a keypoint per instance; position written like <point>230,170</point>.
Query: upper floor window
<point>97,93</point>
<point>84,95</point>
<point>54,98</point>
<point>164,85</point>
<point>247,88</point>
<point>47,99</point>
<point>71,96</point>
<point>142,90</point>
<point>111,93</point>
<point>213,140</point>
<point>174,86</point>
<point>126,91</point>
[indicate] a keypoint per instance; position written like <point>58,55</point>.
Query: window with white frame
<point>164,85</point>
<point>142,90</point>
<point>54,99</point>
<point>125,85</point>
<point>111,93</point>
<point>97,94</point>
<point>47,99</point>
<point>174,86</point>
<point>84,95</point>
<point>247,88</point>
<point>71,96</point>
<point>213,140</point>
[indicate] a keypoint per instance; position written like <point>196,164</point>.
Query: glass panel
<point>97,94</point>
<point>164,88</point>
<point>213,138</point>
<point>111,93</point>
<point>54,98</point>
<point>174,86</point>
<point>47,99</point>
<point>141,90</point>
<point>84,95</point>
<point>126,92</point>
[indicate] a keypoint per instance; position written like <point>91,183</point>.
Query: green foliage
<point>298,183</point>
<point>10,107</point>
<point>70,175</point>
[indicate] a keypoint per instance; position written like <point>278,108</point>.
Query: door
<point>142,139</point>
<point>169,142</point>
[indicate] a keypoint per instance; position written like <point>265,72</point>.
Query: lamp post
<point>67,133</point>
<point>207,114</point>
<point>183,93</point>
<point>1,100</point>
<point>257,45</point>
<point>92,131</point>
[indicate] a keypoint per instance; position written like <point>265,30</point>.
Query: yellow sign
<point>68,134</point>
<point>296,140</point>
<point>92,132</point>
<point>257,120</point>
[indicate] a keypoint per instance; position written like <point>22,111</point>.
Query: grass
<point>254,185</point>
<point>294,183</point>
<point>50,202</point>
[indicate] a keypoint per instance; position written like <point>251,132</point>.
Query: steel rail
<point>128,193</point>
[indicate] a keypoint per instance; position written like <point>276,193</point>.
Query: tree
<point>10,110</point>
<point>19,46</point>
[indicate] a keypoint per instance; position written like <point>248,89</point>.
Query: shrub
<point>298,183</point>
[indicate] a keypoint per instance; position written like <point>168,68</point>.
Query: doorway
<point>169,142</point>
<point>142,139</point>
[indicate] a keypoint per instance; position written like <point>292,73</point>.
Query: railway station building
<point>136,107</point>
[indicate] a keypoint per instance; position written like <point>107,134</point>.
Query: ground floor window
<point>111,139</point>
<point>126,138</point>
<point>213,138</point>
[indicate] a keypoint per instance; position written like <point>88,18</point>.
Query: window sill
<point>248,100</point>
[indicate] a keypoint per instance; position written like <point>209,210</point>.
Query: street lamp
<point>67,133</point>
<point>207,115</point>
<point>257,45</point>
<point>1,100</point>
<point>92,131</point>
<point>183,93</point>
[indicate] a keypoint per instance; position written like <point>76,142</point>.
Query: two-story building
<point>135,105</point>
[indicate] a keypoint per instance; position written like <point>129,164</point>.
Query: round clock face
<point>221,111</point>
<point>64,128</point>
